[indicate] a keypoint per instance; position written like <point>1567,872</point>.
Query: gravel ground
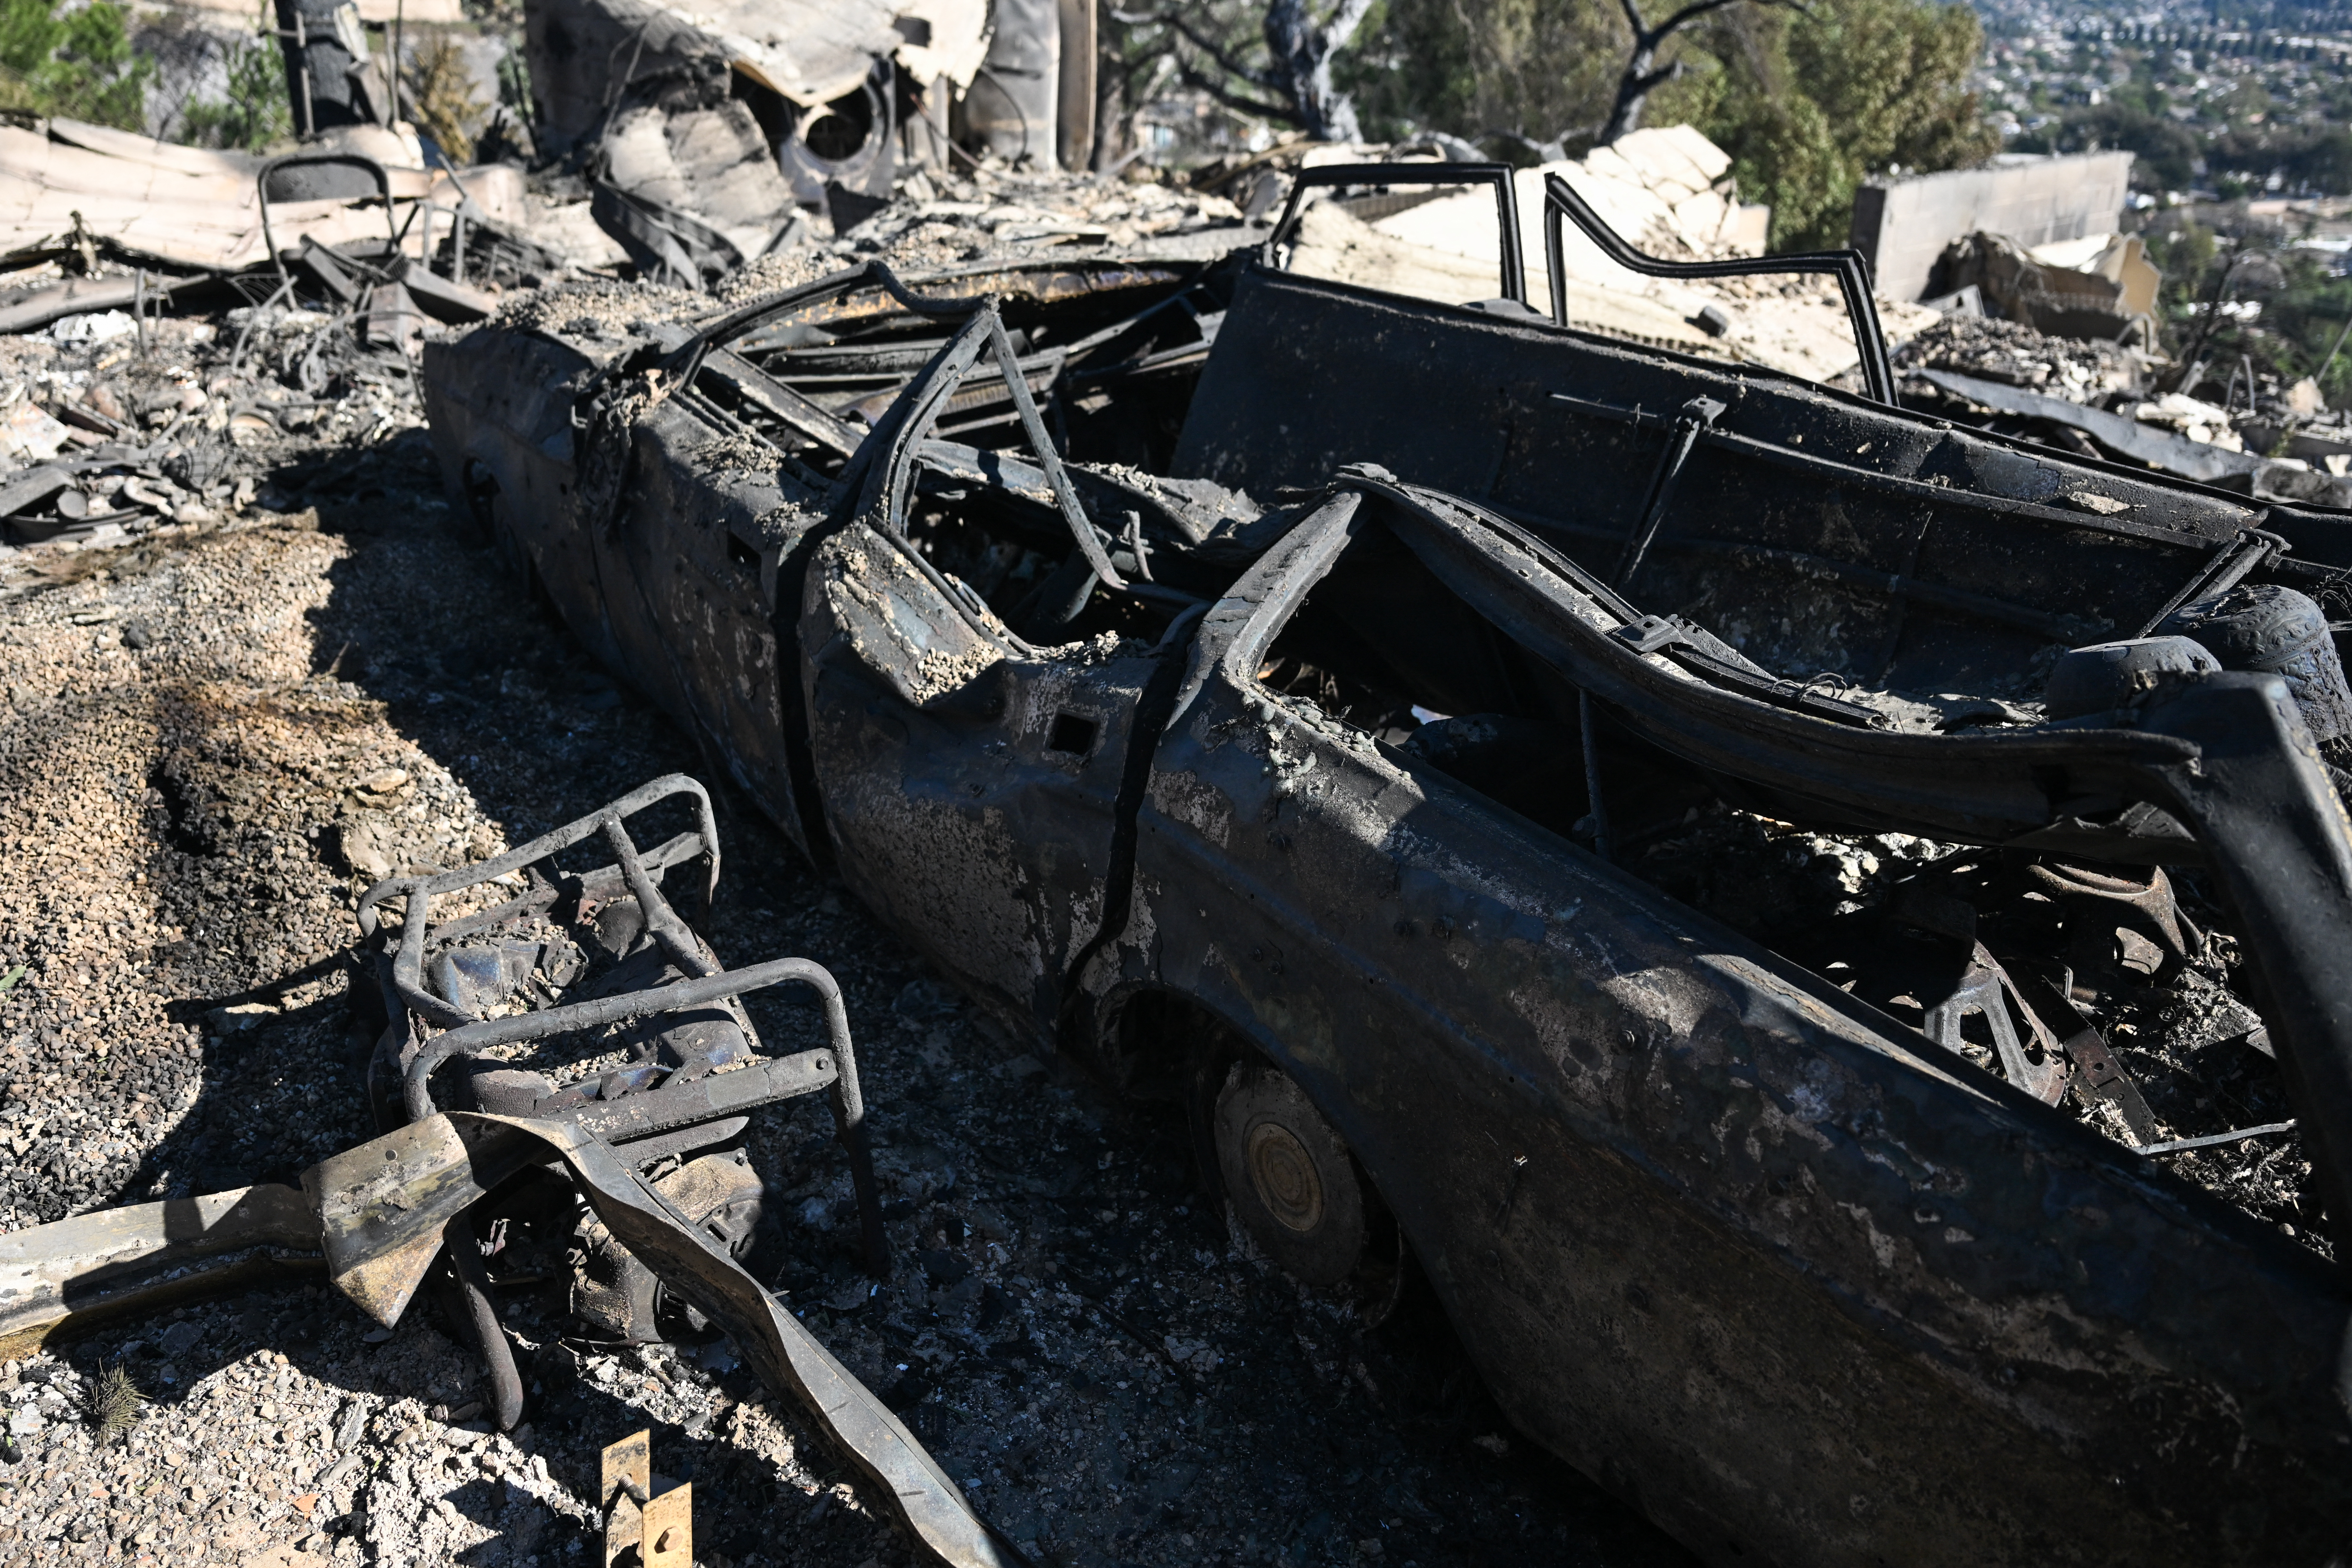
<point>209,742</point>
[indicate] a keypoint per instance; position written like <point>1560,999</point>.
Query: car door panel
<point>1634,1153</point>
<point>967,785</point>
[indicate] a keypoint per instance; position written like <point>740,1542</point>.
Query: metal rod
<point>547,844</point>
<point>399,38</point>
<point>1697,415</point>
<point>1852,275</point>
<point>2216,1139</point>
<point>605,1010</point>
<point>660,919</point>
<point>1596,808</point>
<point>302,54</point>
<point>2336,348</point>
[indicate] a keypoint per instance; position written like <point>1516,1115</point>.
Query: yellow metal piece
<point>76,1274</point>
<point>383,1206</point>
<point>627,1484</point>
<point>669,1529</point>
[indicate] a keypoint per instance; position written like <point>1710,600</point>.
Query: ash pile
<point>182,330</point>
<point>2057,343</point>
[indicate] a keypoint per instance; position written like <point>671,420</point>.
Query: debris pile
<point>2101,399</point>
<point>1667,189</point>
<point>949,217</point>
<point>2101,289</point>
<point>132,430</point>
<point>2149,964</point>
<point>2016,354</point>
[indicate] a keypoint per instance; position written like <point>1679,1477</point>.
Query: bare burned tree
<point>1643,74</point>
<point>1293,81</point>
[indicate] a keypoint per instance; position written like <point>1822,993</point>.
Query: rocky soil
<point>211,739</point>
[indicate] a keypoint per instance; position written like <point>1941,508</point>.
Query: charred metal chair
<point>695,1068</point>
<point>319,176</point>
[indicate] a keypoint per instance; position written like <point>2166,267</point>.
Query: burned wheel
<point>1293,1184</point>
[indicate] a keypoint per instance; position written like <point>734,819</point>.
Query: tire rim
<point>1285,1177</point>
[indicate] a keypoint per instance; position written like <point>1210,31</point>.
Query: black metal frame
<point>463,1032</point>
<point>408,965</point>
<point>705,1101</point>
<point>1506,201</point>
<point>1852,272</point>
<point>364,164</point>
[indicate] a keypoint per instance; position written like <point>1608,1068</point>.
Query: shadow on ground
<point>1049,1240</point>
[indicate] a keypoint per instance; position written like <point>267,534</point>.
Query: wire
<point>1006,93</point>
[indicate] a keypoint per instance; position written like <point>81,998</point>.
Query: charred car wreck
<point>1820,932</point>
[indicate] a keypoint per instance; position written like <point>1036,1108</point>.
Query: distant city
<point>2217,102</point>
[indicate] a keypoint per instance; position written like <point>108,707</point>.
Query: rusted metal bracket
<point>2034,1063</point>
<point>623,1487</point>
<point>642,1530</point>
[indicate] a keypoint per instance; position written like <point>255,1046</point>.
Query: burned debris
<point>1637,818</point>
<point>657,1230</point>
<point>1123,603</point>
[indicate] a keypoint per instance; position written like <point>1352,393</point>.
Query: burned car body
<point>1280,692</point>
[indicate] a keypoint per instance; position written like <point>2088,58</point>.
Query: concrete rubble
<point>2102,288</point>
<point>1666,189</point>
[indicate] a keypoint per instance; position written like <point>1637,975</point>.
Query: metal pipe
<point>1595,807</point>
<point>1846,265</point>
<point>660,919</point>
<point>302,54</point>
<point>548,843</point>
<point>471,1286</point>
<point>606,1010</point>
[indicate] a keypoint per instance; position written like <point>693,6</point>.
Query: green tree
<point>1283,70</point>
<point>79,64</point>
<point>1543,70</point>
<point>1644,71</point>
<point>254,113</point>
<point>1811,105</point>
<point>2165,150</point>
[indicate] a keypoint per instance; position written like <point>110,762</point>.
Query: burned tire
<point>1292,1182</point>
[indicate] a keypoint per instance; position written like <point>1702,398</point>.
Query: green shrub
<point>256,111</point>
<point>78,65</point>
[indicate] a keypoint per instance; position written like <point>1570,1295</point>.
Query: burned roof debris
<point>1778,889</point>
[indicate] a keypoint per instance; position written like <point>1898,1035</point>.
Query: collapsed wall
<point>1902,225</point>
